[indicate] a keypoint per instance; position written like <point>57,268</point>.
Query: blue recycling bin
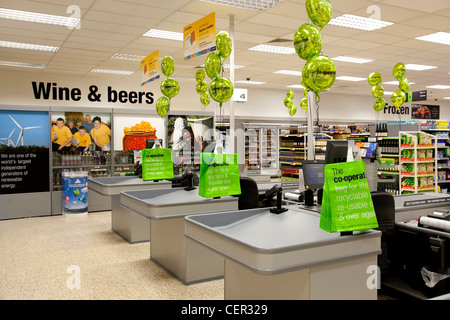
<point>75,193</point>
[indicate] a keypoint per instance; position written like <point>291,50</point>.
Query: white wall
<point>16,89</point>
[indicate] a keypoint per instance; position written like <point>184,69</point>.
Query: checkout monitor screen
<point>313,173</point>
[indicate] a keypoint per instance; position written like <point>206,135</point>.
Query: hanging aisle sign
<point>346,204</point>
<point>150,68</point>
<point>157,164</point>
<point>200,37</point>
<point>219,175</point>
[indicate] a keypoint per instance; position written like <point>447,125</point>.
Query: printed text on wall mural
<point>51,91</point>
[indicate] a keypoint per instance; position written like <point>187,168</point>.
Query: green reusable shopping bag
<point>157,164</point>
<point>219,175</point>
<point>346,204</point>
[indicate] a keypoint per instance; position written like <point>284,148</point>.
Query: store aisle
<point>36,253</point>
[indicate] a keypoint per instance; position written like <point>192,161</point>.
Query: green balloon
<point>223,44</point>
<point>374,79</point>
<point>201,87</point>
<point>379,104</point>
<point>170,87</point>
<point>288,102</point>
<point>200,75</point>
<point>221,90</point>
<point>290,94</point>
<point>398,98</point>
<point>319,11</point>
<point>213,65</point>
<point>377,91</point>
<point>399,70</point>
<point>403,84</point>
<point>167,66</point>
<point>205,99</point>
<point>304,104</point>
<point>162,106</point>
<point>292,110</point>
<point>319,73</point>
<point>307,41</point>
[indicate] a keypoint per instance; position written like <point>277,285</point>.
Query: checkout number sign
<point>347,204</point>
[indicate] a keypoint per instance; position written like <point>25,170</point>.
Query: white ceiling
<point>117,26</point>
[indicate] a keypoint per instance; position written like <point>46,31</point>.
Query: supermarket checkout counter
<point>286,255</point>
<point>126,223</point>
<point>421,247</point>
<point>185,259</point>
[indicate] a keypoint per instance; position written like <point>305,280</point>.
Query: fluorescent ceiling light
<point>395,82</point>
<point>296,86</point>
<point>289,72</point>
<point>439,86</point>
<point>388,93</point>
<point>249,82</point>
<point>125,56</point>
<point>21,64</point>
<point>27,46</point>
<point>438,37</point>
<point>181,76</point>
<point>347,78</point>
<point>258,5</point>
<point>69,22</point>
<point>162,34</point>
<point>352,59</point>
<point>418,67</point>
<point>447,98</point>
<point>108,71</point>
<point>273,49</point>
<point>236,66</point>
<point>360,23</point>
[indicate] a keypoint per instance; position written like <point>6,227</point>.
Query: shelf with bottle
<point>93,171</point>
<point>418,163</point>
<point>381,130</point>
<point>77,158</point>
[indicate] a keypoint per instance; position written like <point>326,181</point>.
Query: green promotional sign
<point>157,164</point>
<point>219,175</point>
<point>347,204</point>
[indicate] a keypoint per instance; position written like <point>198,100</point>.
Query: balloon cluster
<point>202,87</point>
<point>220,89</point>
<point>399,96</point>
<point>319,71</point>
<point>169,87</point>
<point>375,80</point>
<point>288,102</point>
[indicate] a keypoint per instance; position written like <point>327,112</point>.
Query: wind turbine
<point>21,130</point>
<point>10,143</point>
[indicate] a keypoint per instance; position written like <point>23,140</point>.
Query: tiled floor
<point>37,254</point>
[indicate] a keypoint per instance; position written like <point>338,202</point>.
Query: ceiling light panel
<point>69,22</point>
<point>108,71</point>
<point>162,34</point>
<point>258,5</point>
<point>21,64</point>
<point>347,78</point>
<point>272,49</point>
<point>352,59</point>
<point>289,72</point>
<point>418,67</point>
<point>438,37</point>
<point>439,86</point>
<point>360,23</point>
<point>250,82</point>
<point>395,83</point>
<point>296,86</point>
<point>27,46</point>
<point>125,56</point>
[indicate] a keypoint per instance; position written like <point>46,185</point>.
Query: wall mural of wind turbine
<point>21,131</point>
<point>8,140</point>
